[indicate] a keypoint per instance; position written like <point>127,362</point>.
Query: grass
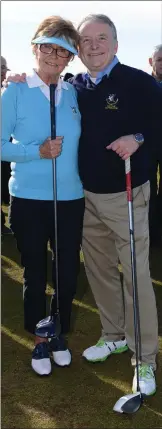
<point>83,395</point>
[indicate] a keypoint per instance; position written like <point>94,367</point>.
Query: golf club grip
<point>128,179</point>
<point>52,110</point>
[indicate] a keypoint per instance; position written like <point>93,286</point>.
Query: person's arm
<point>17,152</point>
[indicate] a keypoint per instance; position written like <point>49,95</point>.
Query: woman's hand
<point>51,148</point>
<point>14,77</point>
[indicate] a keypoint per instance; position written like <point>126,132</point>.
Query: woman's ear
<point>34,49</point>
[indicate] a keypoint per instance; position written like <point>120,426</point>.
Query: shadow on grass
<point>81,396</point>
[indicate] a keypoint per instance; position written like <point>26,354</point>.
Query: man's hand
<point>51,148</point>
<point>14,77</point>
<point>124,146</point>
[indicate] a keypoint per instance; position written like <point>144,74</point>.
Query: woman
<point>26,116</point>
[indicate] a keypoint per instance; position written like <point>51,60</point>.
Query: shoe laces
<point>145,371</point>
<point>57,344</point>
<point>40,351</point>
<point>100,343</point>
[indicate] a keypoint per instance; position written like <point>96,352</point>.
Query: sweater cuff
<point>32,152</point>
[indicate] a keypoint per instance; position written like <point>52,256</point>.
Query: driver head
<point>129,403</point>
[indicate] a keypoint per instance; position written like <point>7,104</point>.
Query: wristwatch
<point>139,138</point>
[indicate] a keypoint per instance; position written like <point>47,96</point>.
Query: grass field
<point>83,395</point>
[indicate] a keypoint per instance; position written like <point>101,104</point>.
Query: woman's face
<point>51,63</point>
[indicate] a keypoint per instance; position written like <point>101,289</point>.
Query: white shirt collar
<point>33,81</point>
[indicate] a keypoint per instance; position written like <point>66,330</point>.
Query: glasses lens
<point>61,52</point>
<point>46,49</point>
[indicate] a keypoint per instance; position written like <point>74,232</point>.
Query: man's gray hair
<point>157,48</point>
<point>99,17</point>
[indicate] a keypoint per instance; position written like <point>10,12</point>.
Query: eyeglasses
<point>60,52</point>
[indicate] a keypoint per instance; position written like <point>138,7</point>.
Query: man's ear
<point>78,51</point>
<point>150,61</point>
<point>116,47</point>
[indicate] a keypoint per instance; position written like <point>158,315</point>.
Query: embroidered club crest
<point>74,110</point>
<point>112,102</point>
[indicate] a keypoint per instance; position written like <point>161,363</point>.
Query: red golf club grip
<point>128,179</point>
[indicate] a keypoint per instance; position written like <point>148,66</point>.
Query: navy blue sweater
<point>138,109</point>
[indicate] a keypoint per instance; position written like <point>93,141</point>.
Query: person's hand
<point>14,77</point>
<point>124,146</point>
<point>51,148</point>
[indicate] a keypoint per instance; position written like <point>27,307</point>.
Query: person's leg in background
<point>101,265</point>
<point>159,198</point>
<point>70,224</point>
<point>153,205</point>
<point>29,223</point>
<point>5,197</point>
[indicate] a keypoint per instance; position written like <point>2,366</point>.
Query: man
<point>117,122</point>
<point>5,166</point>
<point>155,211</point>
<point>155,62</point>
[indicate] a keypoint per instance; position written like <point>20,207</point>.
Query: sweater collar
<point>34,81</point>
<point>102,73</point>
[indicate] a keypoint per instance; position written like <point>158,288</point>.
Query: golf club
<point>50,326</point>
<point>131,403</point>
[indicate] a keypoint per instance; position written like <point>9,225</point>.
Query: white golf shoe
<point>103,349</point>
<point>41,363</point>
<point>60,352</point>
<point>147,381</point>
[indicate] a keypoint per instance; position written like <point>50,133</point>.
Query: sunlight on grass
<point>157,282</point>
<point>86,306</point>
<point>124,387</point>
<point>24,342</point>
<point>152,411</point>
<point>36,418</point>
<point>10,262</point>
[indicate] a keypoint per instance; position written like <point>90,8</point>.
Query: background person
<point>155,210</point>
<point>5,166</point>
<point>26,115</point>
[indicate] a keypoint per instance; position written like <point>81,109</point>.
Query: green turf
<point>83,395</point>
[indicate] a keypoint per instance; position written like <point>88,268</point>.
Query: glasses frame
<point>56,50</point>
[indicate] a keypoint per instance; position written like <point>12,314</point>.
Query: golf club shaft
<point>133,265</point>
<point>53,136</point>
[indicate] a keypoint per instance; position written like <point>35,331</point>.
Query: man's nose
<point>94,44</point>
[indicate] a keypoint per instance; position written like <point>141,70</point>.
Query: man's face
<point>156,63</point>
<point>97,46</point>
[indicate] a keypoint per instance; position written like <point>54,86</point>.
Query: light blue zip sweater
<point>26,116</point>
